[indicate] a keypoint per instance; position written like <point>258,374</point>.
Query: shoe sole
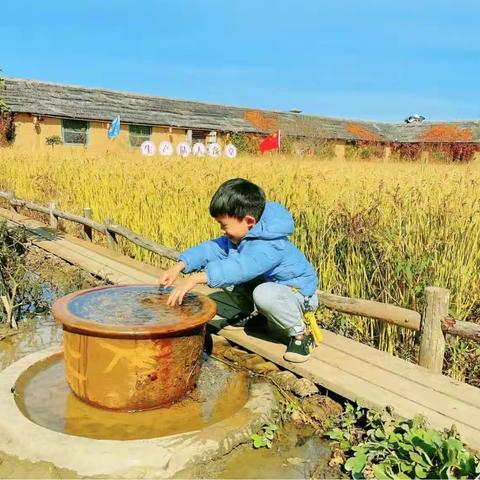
<point>232,327</point>
<point>295,357</point>
<point>250,328</point>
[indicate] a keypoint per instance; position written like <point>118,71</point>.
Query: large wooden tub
<point>125,349</point>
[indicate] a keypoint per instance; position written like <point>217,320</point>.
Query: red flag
<point>272,142</point>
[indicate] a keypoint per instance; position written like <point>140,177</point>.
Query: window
<point>198,136</point>
<point>139,134</point>
<point>75,132</point>
<point>212,137</point>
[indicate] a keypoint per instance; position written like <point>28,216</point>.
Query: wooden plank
<point>441,383</point>
<point>421,394</point>
<point>152,271</point>
<point>17,217</point>
<point>457,391</point>
<point>93,262</point>
<point>351,386</point>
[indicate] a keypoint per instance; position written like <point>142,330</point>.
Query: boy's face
<point>235,229</point>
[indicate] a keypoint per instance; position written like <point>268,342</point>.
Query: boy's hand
<point>169,276</point>
<point>184,286</point>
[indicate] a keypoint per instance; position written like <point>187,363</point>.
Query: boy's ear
<point>251,222</point>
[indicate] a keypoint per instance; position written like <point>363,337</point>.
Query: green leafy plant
<point>265,437</point>
<point>364,150</point>
<point>377,445</point>
<point>53,140</point>
<point>348,433</point>
<point>246,143</point>
<point>287,408</point>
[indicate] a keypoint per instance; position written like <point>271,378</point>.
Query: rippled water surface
<point>135,305</point>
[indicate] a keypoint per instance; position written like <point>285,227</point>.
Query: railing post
<point>53,219</point>
<point>432,341</point>
<point>87,231</point>
<point>111,237</point>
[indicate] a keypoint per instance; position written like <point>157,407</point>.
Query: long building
<point>80,116</point>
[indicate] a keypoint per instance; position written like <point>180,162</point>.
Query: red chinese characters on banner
<point>272,142</point>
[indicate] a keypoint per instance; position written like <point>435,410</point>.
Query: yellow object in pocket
<point>311,323</point>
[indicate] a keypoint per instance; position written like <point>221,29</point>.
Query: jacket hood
<point>275,222</point>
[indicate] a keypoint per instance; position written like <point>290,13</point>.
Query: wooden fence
<point>433,324</point>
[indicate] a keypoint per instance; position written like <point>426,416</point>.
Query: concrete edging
<point>129,458</point>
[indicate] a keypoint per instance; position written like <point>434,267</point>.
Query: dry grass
<point>381,231</point>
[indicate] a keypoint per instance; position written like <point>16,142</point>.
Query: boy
<point>268,272</point>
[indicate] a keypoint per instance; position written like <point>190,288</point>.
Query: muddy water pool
<point>44,397</point>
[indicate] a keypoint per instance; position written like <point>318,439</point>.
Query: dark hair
<point>238,197</point>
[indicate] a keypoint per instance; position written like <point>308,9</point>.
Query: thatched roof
<point>67,101</point>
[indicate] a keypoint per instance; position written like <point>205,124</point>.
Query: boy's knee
<point>264,296</point>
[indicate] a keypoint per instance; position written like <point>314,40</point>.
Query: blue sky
<point>363,59</point>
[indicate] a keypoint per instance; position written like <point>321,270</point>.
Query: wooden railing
<point>433,323</point>
<point>108,228</point>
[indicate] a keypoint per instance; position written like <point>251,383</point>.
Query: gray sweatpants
<point>280,304</point>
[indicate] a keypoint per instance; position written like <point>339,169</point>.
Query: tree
<point>7,119</point>
<point>19,292</point>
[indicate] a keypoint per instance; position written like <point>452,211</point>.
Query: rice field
<point>380,231</point>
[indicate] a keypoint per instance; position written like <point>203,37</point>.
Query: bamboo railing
<point>433,324</point>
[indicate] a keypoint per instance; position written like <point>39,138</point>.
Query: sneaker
<point>251,321</point>
<point>299,351</point>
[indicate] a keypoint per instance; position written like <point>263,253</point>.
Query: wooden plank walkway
<point>353,370</point>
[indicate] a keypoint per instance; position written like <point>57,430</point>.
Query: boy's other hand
<point>183,287</point>
<point>168,277</point>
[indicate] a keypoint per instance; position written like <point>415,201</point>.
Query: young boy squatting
<point>267,276</point>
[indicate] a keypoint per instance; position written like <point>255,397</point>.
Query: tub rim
<point>73,323</point>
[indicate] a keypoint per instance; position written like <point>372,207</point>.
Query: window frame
<point>70,130</point>
<point>137,136</point>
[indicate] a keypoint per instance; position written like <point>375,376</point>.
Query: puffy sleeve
<point>197,257</point>
<point>254,260</point>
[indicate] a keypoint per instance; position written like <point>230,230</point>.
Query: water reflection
<point>45,398</point>
<point>36,333</point>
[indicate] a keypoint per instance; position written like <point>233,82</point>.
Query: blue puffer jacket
<point>264,250</point>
